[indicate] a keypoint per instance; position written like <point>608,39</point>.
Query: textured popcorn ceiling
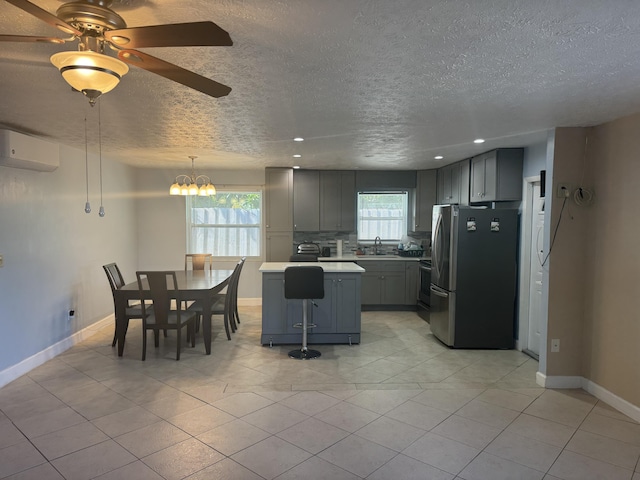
<point>368,83</point>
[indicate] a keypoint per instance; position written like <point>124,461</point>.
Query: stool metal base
<point>304,354</point>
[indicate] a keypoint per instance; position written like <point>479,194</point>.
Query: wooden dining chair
<point>159,315</point>
<point>116,281</point>
<point>198,261</point>
<point>222,303</point>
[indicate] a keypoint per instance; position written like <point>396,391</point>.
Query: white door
<point>535,280</point>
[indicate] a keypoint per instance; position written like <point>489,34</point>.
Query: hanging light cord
<point>101,212</point>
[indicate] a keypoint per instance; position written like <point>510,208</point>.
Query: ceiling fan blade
<point>191,34</point>
<point>45,16</point>
<point>27,38</point>
<point>173,72</point>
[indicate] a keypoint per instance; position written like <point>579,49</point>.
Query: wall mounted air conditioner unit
<point>23,151</point>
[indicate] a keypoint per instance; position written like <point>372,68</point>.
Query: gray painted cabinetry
<point>337,201</point>
<point>337,315</point>
<point>306,200</point>
<point>453,183</point>
<point>384,282</point>
<point>497,176</point>
<point>425,199</point>
<point>278,204</point>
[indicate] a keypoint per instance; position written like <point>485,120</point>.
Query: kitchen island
<point>336,316</point>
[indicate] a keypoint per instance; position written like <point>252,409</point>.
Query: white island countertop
<point>329,267</point>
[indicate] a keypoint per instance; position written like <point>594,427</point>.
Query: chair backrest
<point>114,276</point>
<point>303,257</point>
<point>304,282</point>
<point>235,278</point>
<point>161,290</point>
<point>198,261</point>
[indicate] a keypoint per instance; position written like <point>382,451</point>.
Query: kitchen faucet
<point>377,242</point>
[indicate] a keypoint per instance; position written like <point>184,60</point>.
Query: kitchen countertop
<point>328,266</point>
<point>359,258</point>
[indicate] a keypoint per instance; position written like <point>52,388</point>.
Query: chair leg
<point>192,327</point>
<point>226,325</point>
<point>115,339</point>
<point>178,331</point>
<point>156,337</point>
<point>144,342</point>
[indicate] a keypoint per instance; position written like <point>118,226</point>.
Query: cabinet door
<point>279,246</point>
<point>306,200</point>
<point>274,305</point>
<point>337,201</point>
<point>393,288</point>
<point>323,315</point>
<point>444,185</point>
<point>371,288</point>
<point>411,280</point>
<point>279,199</point>
<point>425,200</point>
<point>347,304</point>
<point>478,177</point>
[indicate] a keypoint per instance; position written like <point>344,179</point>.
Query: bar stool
<point>304,283</point>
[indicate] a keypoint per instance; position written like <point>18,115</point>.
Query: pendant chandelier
<point>192,184</point>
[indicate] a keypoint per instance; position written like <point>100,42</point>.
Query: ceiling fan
<point>98,28</point>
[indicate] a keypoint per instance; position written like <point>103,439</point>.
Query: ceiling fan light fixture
<point>90,72</point>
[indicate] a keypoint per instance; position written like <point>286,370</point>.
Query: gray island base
<point>336,316</point>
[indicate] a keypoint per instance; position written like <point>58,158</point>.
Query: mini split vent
<point>23,151</point>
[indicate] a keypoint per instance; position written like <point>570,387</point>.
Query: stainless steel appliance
<point>424,293</point>
<point>309,248</point>
<point>473,276</point>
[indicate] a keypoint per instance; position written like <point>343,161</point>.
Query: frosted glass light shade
<point>174,189</point>
<point>90,70</point>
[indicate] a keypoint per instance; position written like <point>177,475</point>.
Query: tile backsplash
<point>350,241</point>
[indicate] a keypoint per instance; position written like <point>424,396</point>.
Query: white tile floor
<point>398,406</point>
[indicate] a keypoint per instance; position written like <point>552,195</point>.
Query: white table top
<point>329,267</point>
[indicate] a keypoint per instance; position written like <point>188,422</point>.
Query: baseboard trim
<point>620,404</point>
<point>601,393</point>
<point>557,381</point>
<point>16,371</point>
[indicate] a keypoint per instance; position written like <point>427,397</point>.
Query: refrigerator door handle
<point>438,292</point>
<point>436,250</point>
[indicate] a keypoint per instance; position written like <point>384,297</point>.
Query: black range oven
<point>424,300</point>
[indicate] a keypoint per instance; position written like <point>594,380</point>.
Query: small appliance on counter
<point>309,248</point>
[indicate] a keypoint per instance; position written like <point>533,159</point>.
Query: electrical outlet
<point>555,345</point>
<point>564,190</point>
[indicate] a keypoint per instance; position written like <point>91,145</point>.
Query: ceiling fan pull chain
<point>101,211</point>
<point>87,206</point>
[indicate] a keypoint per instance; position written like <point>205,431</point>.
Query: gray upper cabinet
<point>497,176</point>
<point>279,199</point>
<point>337,201</point>
<point>425,199</point>
<point>306,200</point>
<point>453,183</point>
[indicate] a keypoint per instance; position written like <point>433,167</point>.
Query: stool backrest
<point>304,282</point>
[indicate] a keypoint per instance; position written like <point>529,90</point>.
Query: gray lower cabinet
<point>383,282</point>
<point>336,316</point>
<point>412,282</point>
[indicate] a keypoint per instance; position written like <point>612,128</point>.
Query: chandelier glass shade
<point>192,185</point>
<point>90,72</point>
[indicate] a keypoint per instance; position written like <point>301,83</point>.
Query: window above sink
<point>382,216</point>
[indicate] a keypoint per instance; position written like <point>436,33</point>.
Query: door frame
<point>525,263</point>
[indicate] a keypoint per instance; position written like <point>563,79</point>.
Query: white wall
<point>53,251</point>
<point>162,222</point>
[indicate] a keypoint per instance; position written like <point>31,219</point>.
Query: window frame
<point>404,229</point>
<point>244,189</point>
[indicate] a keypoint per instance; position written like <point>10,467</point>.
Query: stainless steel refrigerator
<point>473,276</point>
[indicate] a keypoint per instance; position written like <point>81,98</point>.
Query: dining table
<point>200,285</point>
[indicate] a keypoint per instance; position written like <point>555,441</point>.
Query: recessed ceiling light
<point>297,155</point>
<point>438,157</point>
<point>479,140</point>
<point>296,166</point>
<point>298,139</point>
